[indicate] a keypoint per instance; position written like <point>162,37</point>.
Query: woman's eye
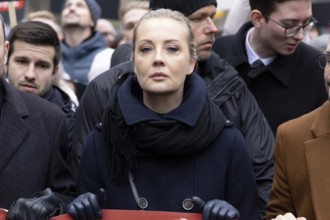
<point>172,49</point>
<point>145,49</point>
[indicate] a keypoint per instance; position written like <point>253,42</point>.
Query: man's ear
<point>5,59</point>
<point>256,18</point>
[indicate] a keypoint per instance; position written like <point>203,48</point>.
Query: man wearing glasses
<point>286,79</point>
<point>301,159</point>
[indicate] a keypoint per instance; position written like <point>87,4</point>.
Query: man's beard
<point>203,55</point>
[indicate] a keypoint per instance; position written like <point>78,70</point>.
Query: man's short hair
<point>266,7</point>
<point>36,33</point>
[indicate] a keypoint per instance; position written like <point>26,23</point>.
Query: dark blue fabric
<point>78,60</point>
<point>222,170</point>
<point>130,105</point>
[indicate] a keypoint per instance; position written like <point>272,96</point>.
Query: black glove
<point>41,206</point>
<point>87,206</point>
<point>216,209</point>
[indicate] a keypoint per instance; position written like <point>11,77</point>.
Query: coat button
<point>187,204</point>
<point>142,203</point>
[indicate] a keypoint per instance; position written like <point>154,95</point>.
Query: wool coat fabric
<point>33,148</point>
<point>221,170</point>
<point>302,173</point>
<point>289,87</point>
<point>236,102</point>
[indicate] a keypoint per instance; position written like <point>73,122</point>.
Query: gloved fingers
<point>87,210</point>
<point>72,209</point>
<point>44,209</point>
<point>44,213</point>
<point>219,210</point>
<point>223,211</point>
<point>101,198</point>
<point>216,211</point>
<point>85,207</point>
<point>95,208</point>
<point>80,213</point>
<point>233,214</point>
<point>198,202</point>
<point>207,212</point>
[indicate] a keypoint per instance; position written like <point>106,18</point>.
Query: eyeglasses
<point>290,31</point>
<point>323,60</point>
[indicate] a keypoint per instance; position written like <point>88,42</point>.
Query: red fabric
<point>140,215</point>
<point>2,214</point>
<point>130,214</point>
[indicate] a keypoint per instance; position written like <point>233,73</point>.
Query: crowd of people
<point>165,114</point>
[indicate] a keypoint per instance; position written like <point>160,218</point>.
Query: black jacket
<point>58,97</point>
<point>224,87</point>
<point>288,87</point>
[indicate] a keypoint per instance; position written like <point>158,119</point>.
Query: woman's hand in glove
<point>216,209</point>
<point>87,206</point>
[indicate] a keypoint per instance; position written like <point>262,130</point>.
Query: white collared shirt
<point>252,55</point>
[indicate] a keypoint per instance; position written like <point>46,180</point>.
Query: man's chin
<point>71,25</point>
<point>204,55</point>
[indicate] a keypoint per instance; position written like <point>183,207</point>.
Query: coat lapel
<point>13,128</point>
<point>318,163</point>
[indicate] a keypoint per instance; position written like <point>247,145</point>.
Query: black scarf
<point>188,129</point>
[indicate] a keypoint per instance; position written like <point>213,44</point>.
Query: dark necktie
<point>257,67</point>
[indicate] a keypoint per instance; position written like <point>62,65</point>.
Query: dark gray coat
<point>33,148</point>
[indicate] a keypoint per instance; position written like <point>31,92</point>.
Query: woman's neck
<point>162,103</point>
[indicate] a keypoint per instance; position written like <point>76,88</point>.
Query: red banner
<point>110,214</point>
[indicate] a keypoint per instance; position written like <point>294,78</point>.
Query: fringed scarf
<point>133,131</point>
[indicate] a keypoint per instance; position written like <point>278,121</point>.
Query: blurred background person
<point>129,15</point>
<point>108,31</point>
<point>84,52</point>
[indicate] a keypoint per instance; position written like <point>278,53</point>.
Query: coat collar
<point>317,153</point>
<point>13,127</point>
<point>321,124</point>
<point>282,67</point>
<point>134,110</point>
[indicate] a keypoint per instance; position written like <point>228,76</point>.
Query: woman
<point>162,139</point>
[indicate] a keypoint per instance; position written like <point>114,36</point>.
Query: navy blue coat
<point>221,171</point>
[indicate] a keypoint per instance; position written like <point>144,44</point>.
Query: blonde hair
<point>176,16</point>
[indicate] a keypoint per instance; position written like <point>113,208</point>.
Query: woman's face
<point>161,56</point>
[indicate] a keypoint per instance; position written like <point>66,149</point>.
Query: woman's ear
<point>191,66</point>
